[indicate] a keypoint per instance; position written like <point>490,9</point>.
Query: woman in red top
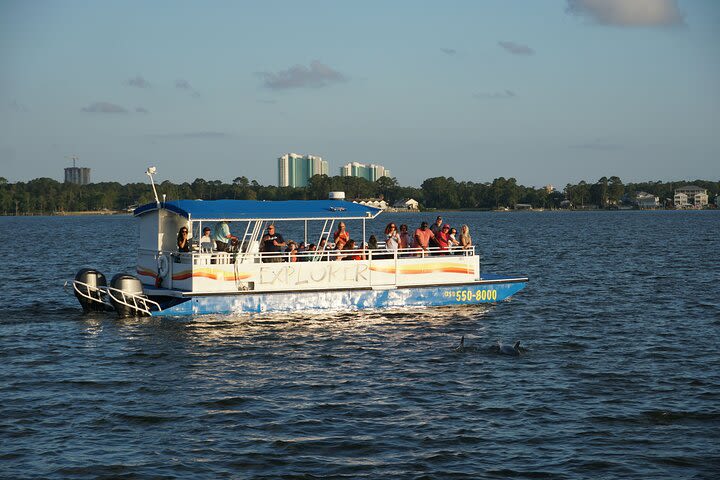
<point>442,238</point>
<point>341,237</point>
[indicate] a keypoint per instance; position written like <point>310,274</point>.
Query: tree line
<point>48,196</point>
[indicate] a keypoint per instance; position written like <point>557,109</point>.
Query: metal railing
<point>139,302</point>
<point>131,300</point>
<point>329,254</point>
<point>101,293</point>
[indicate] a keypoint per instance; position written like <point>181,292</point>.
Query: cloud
<point>104,107</point>
<point>628,13</point>
<point>16,106</point>
<point>503,94</point>
<point>317,75</point>
<point>516,48</point>
<point>448,51</point>
<point>141,110</point>
<point>182,84</point>
<point>200,134</point>
<point>138,82</point>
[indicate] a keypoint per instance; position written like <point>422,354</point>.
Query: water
<point>621,379</point>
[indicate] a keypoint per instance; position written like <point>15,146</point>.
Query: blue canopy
<point>256,210</point>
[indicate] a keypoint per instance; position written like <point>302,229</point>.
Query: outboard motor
<point>126,305</point>
<point>89,291</point>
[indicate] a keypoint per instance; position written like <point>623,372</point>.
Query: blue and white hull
<point>491,289</point>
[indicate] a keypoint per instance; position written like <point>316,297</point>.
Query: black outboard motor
<point>90,295</point>
<point>131,286</point>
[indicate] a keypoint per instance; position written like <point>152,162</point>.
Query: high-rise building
<point>295,170</point>
<point>77,175</point>
<point>369,172</point>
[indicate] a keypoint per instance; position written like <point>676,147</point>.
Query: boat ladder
<point>100,295</point>
<point>133,300</point>
<point>90,292</point>
<point>326,231</point>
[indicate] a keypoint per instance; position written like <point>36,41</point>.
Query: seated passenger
<point>292,251</point>
<point>351,253</point>
<point>372,243</point>
<point>206,241</point>
<point>183,242</point>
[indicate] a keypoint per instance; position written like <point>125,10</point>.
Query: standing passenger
<point>422,237</point>
<point>437,226</point>
<point>465,239</point>
<point>341,237</point>
<point>223,238</point>
<point>272,243</point>
<point>405,239</point>
<point>392,238</point>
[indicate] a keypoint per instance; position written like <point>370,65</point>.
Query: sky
<point>548,92</point>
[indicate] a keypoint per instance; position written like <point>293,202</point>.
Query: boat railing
<point>99,292</point>
<point>226,258</point>
<point>135,301</point>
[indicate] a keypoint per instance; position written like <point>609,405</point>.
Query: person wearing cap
<point>422,237</point>
<point>443,238</point>
<point>437,226</point>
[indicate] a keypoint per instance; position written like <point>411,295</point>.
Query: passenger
<point>422,237</point>
<point>443,239</point>
<point>341,237</point>
<point>372,243</point>
<point>224,240</point>
<point>405,238</point>
<point>183,242</point>
<point>322,246</point>
<point>206,242</point>
<point>437,226</point>
<point>351,252</point>
<point>454,242</point>
<point>392,239</point>
<point>302,252</point>
<point>272,243</point>
<point>292,251</point>
<point>465,239</point>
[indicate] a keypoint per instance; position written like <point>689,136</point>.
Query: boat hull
<point>491,290</point>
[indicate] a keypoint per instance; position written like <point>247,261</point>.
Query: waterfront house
<point>680,200</point>
<point>407,204</point>
<point>645,201</point>
<point>694,195</point>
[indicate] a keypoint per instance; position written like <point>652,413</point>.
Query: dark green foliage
<point>48,196</point>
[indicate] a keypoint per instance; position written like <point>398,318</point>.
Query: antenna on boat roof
<point>150,172</point>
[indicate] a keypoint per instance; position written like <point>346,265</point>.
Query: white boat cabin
<point>246,269</point>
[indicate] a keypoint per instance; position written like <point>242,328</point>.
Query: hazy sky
<point>550,91</point>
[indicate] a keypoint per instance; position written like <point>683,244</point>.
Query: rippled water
<point>621,378</point>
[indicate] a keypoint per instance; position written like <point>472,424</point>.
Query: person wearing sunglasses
<point>183,242</point>
<point>392,238</point>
